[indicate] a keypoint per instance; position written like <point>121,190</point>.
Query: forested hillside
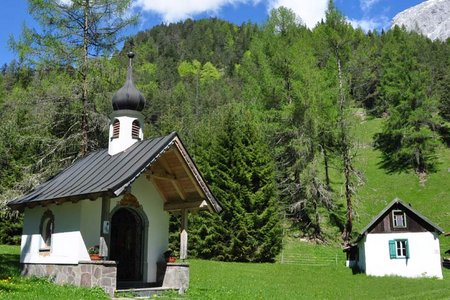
<point>275,116</point>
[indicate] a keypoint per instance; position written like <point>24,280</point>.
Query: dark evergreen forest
<point>266,111</point>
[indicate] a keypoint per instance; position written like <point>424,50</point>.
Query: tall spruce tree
<point>242,177</point>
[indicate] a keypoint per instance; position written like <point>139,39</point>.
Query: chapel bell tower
<point>127,121</point>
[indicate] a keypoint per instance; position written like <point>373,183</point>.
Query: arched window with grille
<point>116,129</point>
<point>135,128</point>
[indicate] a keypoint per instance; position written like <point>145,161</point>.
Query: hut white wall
<point>157,230</point>
<point>424,255</point>
<point>67,242</point>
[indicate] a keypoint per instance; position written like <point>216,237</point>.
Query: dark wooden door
<point>126,244</point>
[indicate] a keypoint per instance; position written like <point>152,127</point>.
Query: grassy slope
<point>431,200</point>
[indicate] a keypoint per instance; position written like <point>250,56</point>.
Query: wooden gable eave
<point>178,181</point>
<point>408,209</point>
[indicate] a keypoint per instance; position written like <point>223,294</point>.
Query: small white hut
<point>118,199</point>
<point>399,241</point>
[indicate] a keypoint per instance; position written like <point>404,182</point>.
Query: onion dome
<point>128,97</point>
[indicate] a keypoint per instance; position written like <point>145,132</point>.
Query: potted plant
<point>169,256</point>
<point>94,252</point>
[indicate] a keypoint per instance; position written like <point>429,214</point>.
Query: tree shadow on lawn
<point>9,265</point>
<point>9,269</point>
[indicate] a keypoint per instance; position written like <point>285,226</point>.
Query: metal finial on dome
<point>128,97</point>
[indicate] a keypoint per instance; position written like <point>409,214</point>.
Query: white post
<point>183,234</point>
<point>104,228</point>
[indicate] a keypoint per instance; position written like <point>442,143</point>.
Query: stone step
<point>142,292</point>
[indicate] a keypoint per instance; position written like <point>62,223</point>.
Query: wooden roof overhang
<point>179,182</point>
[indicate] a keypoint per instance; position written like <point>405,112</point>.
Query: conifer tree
<point>242,177</point>
<point>409,137</point>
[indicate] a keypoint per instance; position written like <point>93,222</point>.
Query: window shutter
<point>407,248</point>
<point>116,129</point>
<point>135,127</point>
<point>392,249</point>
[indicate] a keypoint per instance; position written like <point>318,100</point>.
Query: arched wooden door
<point>126,244</point>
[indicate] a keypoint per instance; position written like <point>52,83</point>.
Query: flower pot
<point>171,259</point>
<point>95,257</point>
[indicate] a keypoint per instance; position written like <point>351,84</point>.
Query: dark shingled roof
<point>101,173</point>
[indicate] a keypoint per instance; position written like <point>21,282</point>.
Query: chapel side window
<point>398,249</point>
<point>46,230</point>
<point>398,219</point>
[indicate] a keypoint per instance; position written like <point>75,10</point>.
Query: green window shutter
<point>392,249</point>
<point>407,248</point>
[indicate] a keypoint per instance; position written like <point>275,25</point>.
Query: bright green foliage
<point>409,138</point>
<point>243,179</point>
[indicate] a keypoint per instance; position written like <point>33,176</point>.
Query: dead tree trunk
<point>345,153</point>
<point>84,77</point>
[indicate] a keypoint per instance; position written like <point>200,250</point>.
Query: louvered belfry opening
<point>135,128</point>
<point>116,129</point>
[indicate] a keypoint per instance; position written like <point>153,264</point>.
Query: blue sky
<point>368,14</point>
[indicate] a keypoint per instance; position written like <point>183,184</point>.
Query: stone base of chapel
<point>85,274</point>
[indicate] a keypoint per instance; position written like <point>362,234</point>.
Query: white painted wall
<point>424,258</point>
<point>67,242</point>
<point>157,231</point>
<point>125,140</point>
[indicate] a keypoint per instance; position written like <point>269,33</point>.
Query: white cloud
<point>367,5</point>
<point>65,2</point>
<point>176,10</point>
<point>367,24</point>
<point>310,11</point>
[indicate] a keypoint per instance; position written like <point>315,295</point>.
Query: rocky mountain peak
<point>431,18</point>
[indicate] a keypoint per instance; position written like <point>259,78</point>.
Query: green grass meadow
<point>219,280</point>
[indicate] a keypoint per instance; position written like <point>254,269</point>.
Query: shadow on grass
<point>9,265</point>
<point>9,269</point>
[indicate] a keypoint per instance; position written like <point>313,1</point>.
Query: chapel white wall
<point>67,246</point>
<point>90,222</point>
<point>424,255</point>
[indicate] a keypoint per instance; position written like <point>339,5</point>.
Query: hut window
<point>46,229</point>
<point>398,249</point>
<point>398,219</point>
<point>135,128</point>
<point>116,129</point>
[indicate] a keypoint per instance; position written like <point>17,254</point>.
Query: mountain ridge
<point>430,18</point>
